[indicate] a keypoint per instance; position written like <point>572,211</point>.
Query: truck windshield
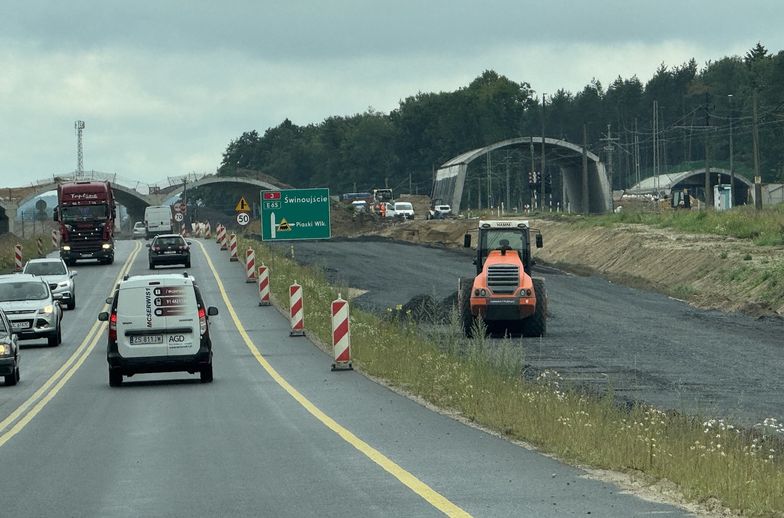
<point>83,213</point>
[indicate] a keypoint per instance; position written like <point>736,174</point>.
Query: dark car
<point>169,249</point>
<point>9,352</point>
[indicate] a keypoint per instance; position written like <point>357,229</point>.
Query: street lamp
<point>732,152</point>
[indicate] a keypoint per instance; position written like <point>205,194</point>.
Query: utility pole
<point>533,171</point>
<point>609,149</point>
<point>409,183</point>
<point>656,149</point>
<point>708,193</point>
<point>585,198</point>
<point>543,180</point>
<point>479,193</point>
<point>636,153</point>
<point>79,127</point>
<point>732,153</point>
<point>507,181</point>
<point>187,217</point>
<point>489,183</point>
<point>755,140</point>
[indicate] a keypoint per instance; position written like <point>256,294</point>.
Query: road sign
<point>243,218</point>
<point>242,205</point>
<point>178,216</point>
<point>295,214</point>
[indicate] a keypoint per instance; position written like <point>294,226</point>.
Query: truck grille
<point>503,278</point>
<point>85,239</point>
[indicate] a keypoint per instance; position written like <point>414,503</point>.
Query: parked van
<point>404,210</point>
<point>158,323</point>
<point>158,220</point>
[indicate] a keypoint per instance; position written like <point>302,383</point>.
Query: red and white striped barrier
<point>40,244</point>
<point>18,258</point>
<point>341,335</point>
<point>296,312</point>
<point>224,245</point>
<point>183,233</point>
<point>264,285</point>
<point>194,231</point>
<point>218,230</point>
<point>207,231</point>
<point>55,239</point>
<point>250,265</point>
<point>233,248</point>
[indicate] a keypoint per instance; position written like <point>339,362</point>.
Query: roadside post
<point>296,310</point>
<point>264,285</point>
<point>341,335</point>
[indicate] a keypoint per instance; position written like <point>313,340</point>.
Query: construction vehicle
<point>504,294</point>
<point>380,197</point>
<point>86,213</point>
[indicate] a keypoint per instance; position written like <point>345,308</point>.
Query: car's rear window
<point>22,290</point>
<point>170,241</point>
<point>45,268</point>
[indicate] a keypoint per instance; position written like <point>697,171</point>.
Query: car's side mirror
<point>57,296</point>
<point>74,274</point>
<point>212,311</point>
<point>103,316</point>
<point>539,241</point>
<point>189,242</point>
<point>147,245</point>
<point>109,300</point>
<point>467,241</point>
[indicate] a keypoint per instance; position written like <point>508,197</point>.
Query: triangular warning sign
<point>242,205</point>
<point>284,225</point>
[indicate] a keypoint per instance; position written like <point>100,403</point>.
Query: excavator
<point>503,294</point>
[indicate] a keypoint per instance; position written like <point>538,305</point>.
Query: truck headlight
<point>5,350</point>
<point>67,248</point>
<point>106,246</point>
<point>46,310</point>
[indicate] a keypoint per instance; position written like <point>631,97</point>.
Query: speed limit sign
<point>178,216</point>
<point>243,218</point>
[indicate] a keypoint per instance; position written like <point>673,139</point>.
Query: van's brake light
<point>202,321</point>
<point>113,327</point>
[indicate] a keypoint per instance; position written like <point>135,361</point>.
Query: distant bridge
<point>134,196</point>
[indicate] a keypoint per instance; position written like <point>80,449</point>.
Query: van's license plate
<point>146,339</point>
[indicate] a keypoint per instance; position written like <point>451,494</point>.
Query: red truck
<point>86,213</point>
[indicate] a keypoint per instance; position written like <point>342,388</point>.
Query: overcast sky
<point>164,86</point>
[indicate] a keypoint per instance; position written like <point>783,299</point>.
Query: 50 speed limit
<point>243,218</point>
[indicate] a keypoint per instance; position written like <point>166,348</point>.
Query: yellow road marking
<point>417,486</point>
<point>69,368</point>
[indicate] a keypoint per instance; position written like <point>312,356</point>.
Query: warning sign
<point>242,205</point>
<point>284,226</point>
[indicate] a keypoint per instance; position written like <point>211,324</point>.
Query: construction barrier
<point>55,239</point>
<point>207,231</point>
<point>194,231</point>
<point>40,244</point>
<point>183,233</point>
<point>296,312</point>
<point>341,335</point>
<point>264,286</point>
<point>233,247</point>
<point>222,237</point>
<point>218,232</point>
<point>250,265</point>
<point>18,258</point>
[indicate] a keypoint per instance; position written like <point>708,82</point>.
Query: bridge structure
<point>133,195</point>
<point>585,184</point>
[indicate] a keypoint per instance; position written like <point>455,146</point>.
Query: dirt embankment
<point>709,271</point>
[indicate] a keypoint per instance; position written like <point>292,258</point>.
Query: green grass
<point>482,381</point>
<point>29,250</point>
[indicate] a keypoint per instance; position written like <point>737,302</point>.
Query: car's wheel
<point>115,378</point>
<point>13,378</point>
<point>110,260</point>
<point>205,374</point>
<point>188,263</point>
<point>536,324</point>
<point>152,266</point>
<point>71,303</point>
<point>54,339</point>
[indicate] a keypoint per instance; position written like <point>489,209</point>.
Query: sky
<point>164,86</point>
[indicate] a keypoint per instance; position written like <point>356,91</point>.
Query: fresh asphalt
<point>167,445</point>
<point>644,346</point>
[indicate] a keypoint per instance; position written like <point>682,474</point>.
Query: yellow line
<point>79,355</point>
<point>417,486</point>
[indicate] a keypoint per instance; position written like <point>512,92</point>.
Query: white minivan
<point>403,210</point>
<point>158,220</point>
<point>158,323</point>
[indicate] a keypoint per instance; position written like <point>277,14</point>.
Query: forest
<point>697,109</point>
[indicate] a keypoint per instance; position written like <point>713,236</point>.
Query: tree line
<point>698,108</point>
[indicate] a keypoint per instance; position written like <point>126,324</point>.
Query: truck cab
<point>86,213</point>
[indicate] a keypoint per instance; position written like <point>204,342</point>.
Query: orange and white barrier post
<point>296,312</point>
<point>18,258</point>
<point>233,248</point>
<point>55,239</point>
<point>341,335</point>
<point>208,231</point>
<point>40,244</point>
<point>218,230</point>
<point>250,265</point>
<point>264,285</point>
<point>223,241</point>
<point>183,233</point>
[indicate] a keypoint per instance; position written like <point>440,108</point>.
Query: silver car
<point>55,272</point>
<point>30,308</point>
<point>139,230</point>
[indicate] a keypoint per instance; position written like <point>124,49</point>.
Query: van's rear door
<point>178,304</point>
<point>140,330</point>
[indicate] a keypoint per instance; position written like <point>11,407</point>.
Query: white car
<point>31,310</point>
<point>158,323</point>
<point>403,210</point>
<point>439,212</point>
<point>55,272</point>
<point>139,230</point>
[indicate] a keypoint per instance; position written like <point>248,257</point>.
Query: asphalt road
<point>645,346</point>
<point>276,433</point>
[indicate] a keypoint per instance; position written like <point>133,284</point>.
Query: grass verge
<point>711,461</point>
<point>29,250</point>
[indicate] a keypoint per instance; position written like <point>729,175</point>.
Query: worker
<point>504,244</point>
<point>383,209</point>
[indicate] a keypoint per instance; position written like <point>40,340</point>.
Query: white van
<point>158,220</point>
<point>158,323</point>
<point>404,210</point>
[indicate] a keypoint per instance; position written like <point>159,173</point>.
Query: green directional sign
<point>295,214</point>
